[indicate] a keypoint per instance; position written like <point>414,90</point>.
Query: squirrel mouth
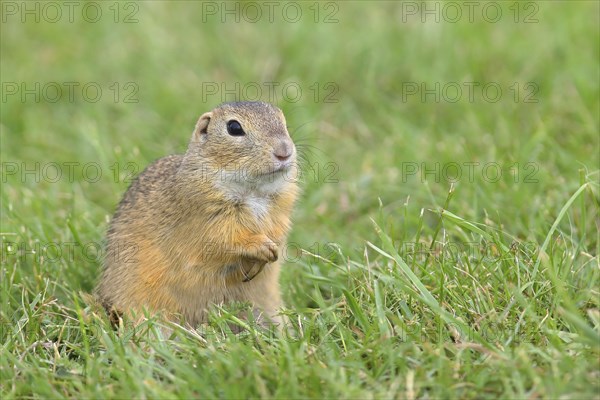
<point>282,168</point>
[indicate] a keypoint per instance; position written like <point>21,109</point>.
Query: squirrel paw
<point>265,251</point>
<point>251,268</point>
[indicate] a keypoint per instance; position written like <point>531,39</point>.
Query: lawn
<point>446,241</point>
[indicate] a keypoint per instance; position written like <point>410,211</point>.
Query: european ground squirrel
<point>207,227</point>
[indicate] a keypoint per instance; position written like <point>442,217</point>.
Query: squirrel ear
<point>202,125</point>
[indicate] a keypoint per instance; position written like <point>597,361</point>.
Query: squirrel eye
<point>234,128</point>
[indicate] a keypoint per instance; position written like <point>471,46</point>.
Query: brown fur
<point>187,233</point>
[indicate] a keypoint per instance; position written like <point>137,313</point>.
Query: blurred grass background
<point>172,50</point>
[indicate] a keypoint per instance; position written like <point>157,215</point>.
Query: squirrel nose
<point>283,151</point>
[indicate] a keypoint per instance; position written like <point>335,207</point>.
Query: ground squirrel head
<point>243,146</point>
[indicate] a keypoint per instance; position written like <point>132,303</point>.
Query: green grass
<point>407,287</point>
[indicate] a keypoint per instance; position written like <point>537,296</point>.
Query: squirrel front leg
<point>255,250</point>
<point>257,247</point>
